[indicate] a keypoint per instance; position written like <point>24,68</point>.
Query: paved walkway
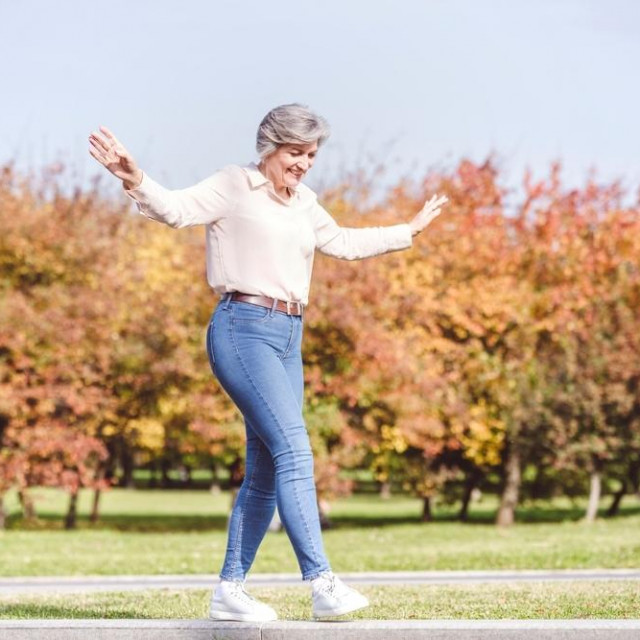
<point>354,630</point>
<point>400,578</point>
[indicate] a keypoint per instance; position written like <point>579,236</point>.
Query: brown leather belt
<point>290,308</point>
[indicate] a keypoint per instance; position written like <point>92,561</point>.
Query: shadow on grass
<point>35,611</point>
<point>133,523</point>
<point>532,514</point>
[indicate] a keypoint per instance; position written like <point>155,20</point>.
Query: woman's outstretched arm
<point>202,203</point>
<point>112,155</point>
<point>356,243</point>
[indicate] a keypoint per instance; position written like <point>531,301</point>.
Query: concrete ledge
<point>348,630</point>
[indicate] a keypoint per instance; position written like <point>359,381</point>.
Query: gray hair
<point>290,124</point>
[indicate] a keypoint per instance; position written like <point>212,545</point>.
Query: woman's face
<point>288,164</point>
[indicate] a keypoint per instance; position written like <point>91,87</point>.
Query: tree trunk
<point>153,472</point>
<point>3,513</point>
<point>236,477</point>
<point>385,490</point>
<point>97,493</point>
<point>614,507</point>
<point>215,487</point>
<point>427,516</point>
<point>127,468</point>
<point>470,484</point>
<point>72,513</point>
<point>510,493</point>
<point>323,513</point>
<point>28,510</point>
<point>165,481</point>
<point>185,475</point>
<point>95,507</point>
<point>634,476</point>
<point>594,496</point>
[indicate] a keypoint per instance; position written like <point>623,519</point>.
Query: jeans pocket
<point>209,347</point>
<point>246,312</point>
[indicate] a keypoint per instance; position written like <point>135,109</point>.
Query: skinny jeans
<point>255,353</point>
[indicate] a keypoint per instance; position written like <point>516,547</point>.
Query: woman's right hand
<point>111,153</point>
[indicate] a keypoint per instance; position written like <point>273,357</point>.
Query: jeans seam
<point>284,435</point>
<point>290,343</point>
<point>236,549</point>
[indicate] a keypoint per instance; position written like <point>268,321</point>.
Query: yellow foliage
<point>173,404</point>
<point>146,433</point>
<point>392,439</point>
<point>483,436</point>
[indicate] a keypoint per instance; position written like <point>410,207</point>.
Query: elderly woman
<point>262,228</point>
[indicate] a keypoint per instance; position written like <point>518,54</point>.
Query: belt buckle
<point>298,308</point>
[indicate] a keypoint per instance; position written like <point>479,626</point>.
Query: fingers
<point>439,202</point>
<point>107,132</point>
<point>101,152</point>
<point>99,146</point>
<point>431,210</point>
<point>109,142</point>
<point>96,140</point>
<point>96,149</point>
<point>107,150</point>
<point>435,202</point>
<point>98,156</point>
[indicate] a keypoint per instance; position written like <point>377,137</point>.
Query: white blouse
<point>257,242</point>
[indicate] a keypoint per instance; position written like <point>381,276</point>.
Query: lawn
<point>168,532</point>
<point>536,600</point>
<point>181,532</point>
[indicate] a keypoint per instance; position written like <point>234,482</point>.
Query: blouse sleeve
<point>353,244</point>
<point>202,203</point>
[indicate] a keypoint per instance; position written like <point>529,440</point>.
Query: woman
<point>262,228</point>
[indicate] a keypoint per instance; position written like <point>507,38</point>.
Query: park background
<point>489,374</point>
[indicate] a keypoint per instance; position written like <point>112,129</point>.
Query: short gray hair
<point>290,124</point>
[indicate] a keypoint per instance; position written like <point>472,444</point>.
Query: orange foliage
<point>500,329</point>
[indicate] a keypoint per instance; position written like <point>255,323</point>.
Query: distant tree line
<point>502,351</point>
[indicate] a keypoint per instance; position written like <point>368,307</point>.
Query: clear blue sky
<point>412,83</point>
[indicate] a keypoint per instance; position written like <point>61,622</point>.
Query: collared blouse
<point>257,242</point>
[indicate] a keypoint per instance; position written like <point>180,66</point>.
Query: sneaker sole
<point>333,613</point>
<point>230,616</point>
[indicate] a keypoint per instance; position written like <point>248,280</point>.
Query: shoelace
<point>240,592</point>
<point>332,586</point>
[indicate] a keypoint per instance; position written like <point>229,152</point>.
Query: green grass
<point>186,510</point>
<point>164,532</point>
<point>161,532</point>
<point>537,600</point>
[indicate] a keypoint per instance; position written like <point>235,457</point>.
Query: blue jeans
<point>255,354</point>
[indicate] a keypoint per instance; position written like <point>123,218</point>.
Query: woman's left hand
<point>431,210</point>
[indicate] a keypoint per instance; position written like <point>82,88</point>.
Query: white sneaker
<point>230,601</point>
<point>331,597</point>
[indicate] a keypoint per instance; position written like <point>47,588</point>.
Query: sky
<point>410,84</point>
